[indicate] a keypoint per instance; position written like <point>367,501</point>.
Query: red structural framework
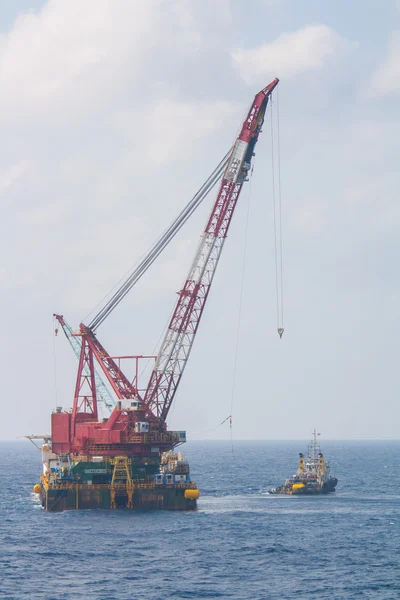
<point>137,424</point>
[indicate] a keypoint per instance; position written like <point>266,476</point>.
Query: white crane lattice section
<point>178,341</point>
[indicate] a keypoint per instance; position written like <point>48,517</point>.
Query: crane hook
<point>280,331</point>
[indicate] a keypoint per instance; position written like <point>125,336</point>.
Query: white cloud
<point>67,54</point>
<point>290,54</point>
<point>170,122</point>
<point>9,176</point>
<point>70,58</point>
<point>309,218</point>
<point>386,80</point>
<point>73,75</point>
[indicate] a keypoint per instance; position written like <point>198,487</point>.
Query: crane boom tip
<point>270,87</point>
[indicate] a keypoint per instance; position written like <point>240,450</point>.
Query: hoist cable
<point>241,297</point>
<point>274,213</point>
<point>160,244</point>
<point>280,201</point>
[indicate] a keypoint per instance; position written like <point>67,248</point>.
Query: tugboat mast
<point>314,450</point>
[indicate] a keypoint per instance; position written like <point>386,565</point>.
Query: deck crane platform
<point>134,443</point>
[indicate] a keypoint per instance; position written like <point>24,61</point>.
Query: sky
<point>113,113</point>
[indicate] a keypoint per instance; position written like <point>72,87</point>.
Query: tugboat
<point>312,476</point>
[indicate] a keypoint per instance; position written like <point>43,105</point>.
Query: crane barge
<point>129,459</point>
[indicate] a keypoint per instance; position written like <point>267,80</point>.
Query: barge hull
<point>76,497</point>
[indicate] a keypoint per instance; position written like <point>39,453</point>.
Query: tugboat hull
<point>327,488</point>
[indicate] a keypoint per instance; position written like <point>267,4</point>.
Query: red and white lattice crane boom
<point>178,341</point>
<point>139,418</point>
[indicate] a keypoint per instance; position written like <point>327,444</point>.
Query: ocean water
<point>241,543</point>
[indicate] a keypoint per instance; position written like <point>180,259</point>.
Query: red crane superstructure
<point>136,427</point>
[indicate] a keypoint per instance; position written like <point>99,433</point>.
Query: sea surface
<point>241,543</point>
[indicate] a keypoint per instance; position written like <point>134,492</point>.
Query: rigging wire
<point>231,432</point>
<point>173,228</point>
<point>229,417</point>
<point>239,321</point>
<point>160,244</point>
<point>55,331</point>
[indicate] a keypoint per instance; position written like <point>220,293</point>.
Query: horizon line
<point>353,439</point>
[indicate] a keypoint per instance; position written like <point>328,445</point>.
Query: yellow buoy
<point>298,486</point>
<point>37,488</point>
<point>192,494</point>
